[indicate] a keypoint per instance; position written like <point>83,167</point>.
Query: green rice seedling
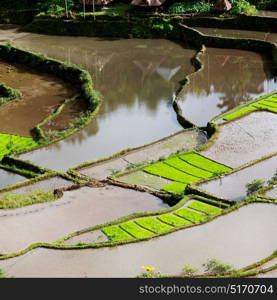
<point>263,106</point>
<point>163,170</point>
<point>190,215</point>
<point>12,143</point>
<point>239,113</point>
<point>206,208</point>
<point>115,233</point>
<point>173,220</point>
<point>269,103</point>
<point>175,187</point>
<point>135,230</point>
<point>186,167</point>
<point>153,224</point>
<point>204,163</point>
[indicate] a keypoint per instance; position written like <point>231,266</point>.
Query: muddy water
<point>246,34</point>
<point>229,78</point>
<point>42,94</point>
<point>138,80</point>
<point>234,238</point>
<point>267,13</point>
<point>68,116</point>
<point>8,178</point>
<point>76,210</point>
<point>224,187</point>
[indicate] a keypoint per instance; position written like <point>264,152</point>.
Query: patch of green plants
<point>2,274</point>
<point>188,168</point>
<point>190,215</point>
<point>153,225</point>
<point>204,163</point>
<point>7,94</point>
<point>11,144</point>
<point>269,103</point>
<point>239,113</point>
<point>115,233</point>
<point>149,272</point>
<point>13,200</point>
<point>191,6</point>
<point>189,270</point>
<point>206,208</point>
<point>135,230</point>
<point>215,266</point>
<point>175,187</point>
<point>243,7</point>
<point>173,220</point>
<point>273,179</point>
<point>254,186</point>
<point>265,106</point>
<point>163,170</point>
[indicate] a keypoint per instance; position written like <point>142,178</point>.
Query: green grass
<point>12,200</point>
<point>190,215</point>
<point>175,187</point>
<point>186,167</point>
<point>173,220</point>
<point>204,163</point>
<point>135,230</point>
<point>153,224</point>
<point>12,143</point>
<point>115,233</point>
<point>206,208</point>
<point>163,170</point>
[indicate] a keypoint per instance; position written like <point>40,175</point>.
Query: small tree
<point>189,269</point>
<point>254,186</point>
<point>217,267</point>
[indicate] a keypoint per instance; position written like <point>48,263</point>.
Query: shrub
<point>243,7</point>
<point>54,5</point>
<point>254,186</point>
<point>217,267</point>
<point>189,269</point>
<point>273,179</point>
<point>192,6</point>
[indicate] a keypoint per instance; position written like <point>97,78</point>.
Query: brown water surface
<point>230,77</point>
<point>138,80</point>
<point>42,94</point>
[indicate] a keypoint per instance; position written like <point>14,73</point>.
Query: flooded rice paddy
<point>248,234</point>
<point>41,95</point>
<point>138,80</point>
<point>224,187</point>
<point>76,210</point>
<point>8,178</point>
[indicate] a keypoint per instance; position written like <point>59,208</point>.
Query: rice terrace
<point>138,138</point>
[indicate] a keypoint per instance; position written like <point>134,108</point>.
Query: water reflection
<point>229,78</point>
<point>138,80</point>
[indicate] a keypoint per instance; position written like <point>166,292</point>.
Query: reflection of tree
<point>123,71</point>
<point>234,74</point>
